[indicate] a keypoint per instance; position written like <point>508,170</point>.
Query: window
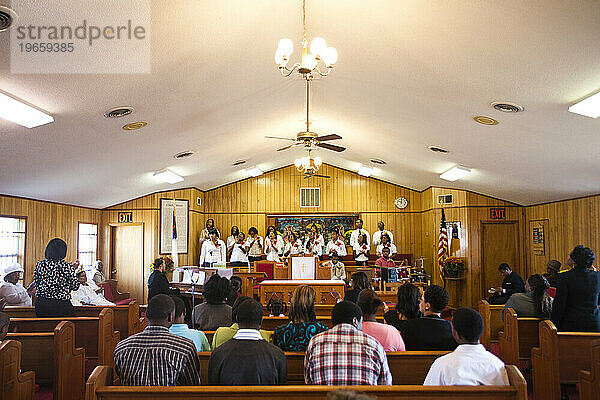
<point>87,244</point>
<point>12,241</point>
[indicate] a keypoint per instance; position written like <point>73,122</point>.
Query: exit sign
<point>125,217</point>
<point>497,213</point>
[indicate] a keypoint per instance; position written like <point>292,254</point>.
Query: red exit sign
<point>497,213</point>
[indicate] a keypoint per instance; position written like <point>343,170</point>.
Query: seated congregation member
<point>343,355</point>
<point>386,243</point>
<point>358,282</point>
<point>54,279</point>
<point>389,273</point>
<point>552,272</point>
<point>180,328</point>
<point>213,250</point>
<point>239,252</point>
<point>255,245</point>
<point>534,302</point>
<point>293,245</point>
<point>407,307</point>
<point>387,335</point>
<point>236,289</point>
<point>273,246</point>
<point>98,272</point>
<point>12,290</point>
<point>303,324</point>
<point>205,234</point>
<point>378,234</point>
<point>337,268</point>
<point>158,282</point>
<point>89,293</point>
<point>361,250</point>
<point>156,357</point>
<point>431,331</point>
<point>312,246</point>
<point>512,283</point>
<point>247,359</point>
<point>358,232</point>
<point>232,239</point>
<point>225,333</point>
<point>470,364</point>
<point>575,307</point>
<point>336,244</point>
<point>214,312</point>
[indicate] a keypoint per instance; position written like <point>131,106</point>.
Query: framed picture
<point>181,208</point>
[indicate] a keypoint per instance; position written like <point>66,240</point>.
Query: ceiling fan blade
<point>331,147</point>
<point>280,138</point>
<point>287,147</point>
<point>322,176</point>
<point>333,136</point>
<point>306,176</point>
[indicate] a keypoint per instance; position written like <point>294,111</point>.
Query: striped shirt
<point>156,357</point>
<point>345,356</point>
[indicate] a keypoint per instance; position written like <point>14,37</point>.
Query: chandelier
<point>309,62</point>
<point>307,165</point>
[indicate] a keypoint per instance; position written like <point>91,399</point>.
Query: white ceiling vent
<point>445,199</point>
<point>310,197</point>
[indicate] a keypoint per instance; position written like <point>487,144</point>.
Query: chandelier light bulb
<point>298,163</point>
<point>330,56</point>
<point>286,47</point>
<point>318,161</point>
<point>279,59</point>
<point>318,46</point>
<point>306,162</point>
<point>308,61</point>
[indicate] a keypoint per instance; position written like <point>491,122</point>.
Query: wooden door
<point>127,249</point>
<point>499,245</point>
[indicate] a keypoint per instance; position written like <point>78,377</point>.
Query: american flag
<point>442,245</point>
<point>174,241</point>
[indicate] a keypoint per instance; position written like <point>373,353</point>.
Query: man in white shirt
<point>13,292</point>
<point>470,364</point>
<point>336,243</point>
<point>380,231</point>
<point>359,231</point>
<point>213,250</point>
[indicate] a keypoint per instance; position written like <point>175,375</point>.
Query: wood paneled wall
<point>569,223</point>
<point>45,221</point>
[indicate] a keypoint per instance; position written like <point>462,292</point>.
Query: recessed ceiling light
<point>23,114</point>
<point>365,171</point>
<point>482,119</point>
<point>455,173</point>
<point>7,18</point>
<point>590,106</point>
<point>507,107</point>
<point>183,154</point>
<point>168,176</point>
<point>132,126</point>
<point>378,161</point>
<point>118,112</point>
<point>238,162</point>
<point>254,172</point>
<point>436,149</point>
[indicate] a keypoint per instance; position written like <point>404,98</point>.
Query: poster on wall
<point>166,225</point>
<point>537,239</point>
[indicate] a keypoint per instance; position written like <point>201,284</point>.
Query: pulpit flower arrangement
<point>454,267</point>
<point>169,266</point>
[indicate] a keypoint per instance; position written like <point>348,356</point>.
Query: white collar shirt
<point>313,246</point>
<point>469,364</point>
<point>361,251</point>
<point>354,236</point>
<point>237,254</point>
<point>248,334</point>
<point>377,236</point>
<point>339,246</point>
<point>212,253</point>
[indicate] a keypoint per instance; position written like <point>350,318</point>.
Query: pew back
<point>519,336</point>
<point>270,323</point>
<point>13,383</point>
<point>589,381</point>
<point>492,322</point>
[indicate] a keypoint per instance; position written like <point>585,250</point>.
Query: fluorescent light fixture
<point>21,113</point>
<point>365,171</point>
<point>254,172</point>
<point>168,176</point>
<point>455,173</point>
<point>590,107</point>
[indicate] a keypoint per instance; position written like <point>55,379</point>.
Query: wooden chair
<point>54,359</point>
<point>112,294</point>
<point>518,337</point>
<point>14,384</point>
<point>558,359</point>
<point>492,322</point>
<point>98,388</point>
<point>589,380</point>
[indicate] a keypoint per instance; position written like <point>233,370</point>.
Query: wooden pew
<point>13,383</point>
<point>407,367</point>
<point>95,334</point>
<point>589,381</point>
<point>492,322</point>
<point>54,359</point>
<point>270,323</point>
<point>558,359</point>
<point>98,388</point>
<point>517,339</point>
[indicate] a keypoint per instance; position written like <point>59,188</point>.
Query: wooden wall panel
<point>45,221</point>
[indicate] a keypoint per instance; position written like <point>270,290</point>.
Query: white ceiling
<point>410,74</point>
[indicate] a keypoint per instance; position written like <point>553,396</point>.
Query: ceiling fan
<point>310,139</point>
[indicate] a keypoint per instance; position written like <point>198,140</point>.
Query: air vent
<point>7,18</point>
<point>507,107</point>
<point>134,126</point>
<point>436,149</point>
<point>445,199</point>
<point>183,154</point>
<point>238,162</point>
<point>118,112</point>
<point>482,119</point>
<point>378,161</point>
<point>310,197</point>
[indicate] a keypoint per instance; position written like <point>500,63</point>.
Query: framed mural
<point>166,225</point>
<point>302,223</point>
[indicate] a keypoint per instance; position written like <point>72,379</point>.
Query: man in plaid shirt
<point>344,355</point>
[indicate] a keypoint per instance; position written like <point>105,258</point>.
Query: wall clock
<point>401,202</point>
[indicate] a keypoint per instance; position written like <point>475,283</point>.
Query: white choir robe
<point>354,237</point>
<point>377,236</point>
<point>212,253</point>
<point>15,295</point>
<point>316,248</point>
<point>292,249</point>
<point>272,250</point>
<point>339,246</point>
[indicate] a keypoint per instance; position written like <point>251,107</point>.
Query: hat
<point>553,265</point>
<point>16,267</point>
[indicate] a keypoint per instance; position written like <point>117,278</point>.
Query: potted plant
<point>168,264</point>
<point>454,267</point>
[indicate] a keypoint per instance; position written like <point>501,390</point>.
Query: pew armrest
<point>589,381</point>
<point>516,380</point>
<point>100,377</point>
